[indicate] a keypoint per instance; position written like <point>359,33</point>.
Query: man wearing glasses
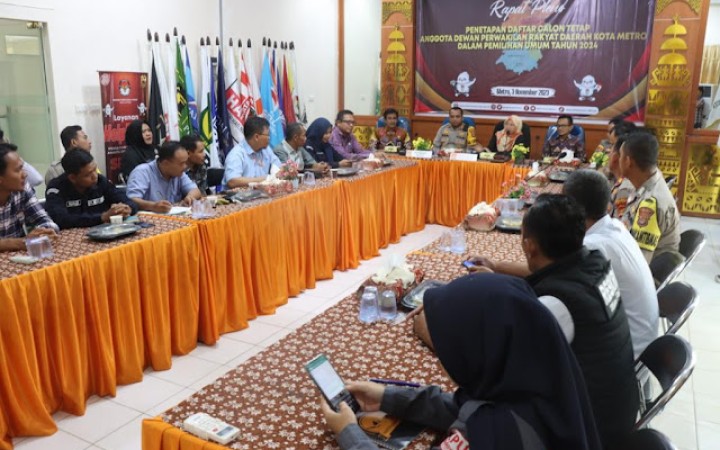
<point>251,160</point>
<point>344,141</point>
<point>562,140</point>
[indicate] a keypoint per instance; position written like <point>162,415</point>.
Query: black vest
<point>586,285</point>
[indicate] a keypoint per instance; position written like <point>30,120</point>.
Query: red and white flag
<point>232,97</point>
<point>246,98</point>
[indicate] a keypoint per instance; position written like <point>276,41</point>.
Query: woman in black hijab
<point>519,383</point>
<point>318,143</point>
<point>140,148</point>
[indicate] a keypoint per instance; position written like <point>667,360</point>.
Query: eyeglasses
<point>349,122</point>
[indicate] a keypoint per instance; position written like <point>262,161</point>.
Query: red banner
<point>123,100</point>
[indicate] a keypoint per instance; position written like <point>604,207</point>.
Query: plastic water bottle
<point>388,306</point>
<point>369,306</point>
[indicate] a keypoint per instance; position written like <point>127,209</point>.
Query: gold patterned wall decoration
<point>673,103</point>
<point>397,42</point>
<point>702,180</point>
<point>364,134</point>
<point>662,4</point>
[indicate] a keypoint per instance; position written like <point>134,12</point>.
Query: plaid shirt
<point>199,176</point>
<point>22,213</point>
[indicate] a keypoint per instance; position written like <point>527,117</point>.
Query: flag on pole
<point>254,85</point>
<point>171,87</point>
<point>191,97</point>
<point>232,98</point>
<point>270,103</point>
<point>158,102</point>
<point>277,101</point>
<point>295,86</point>
<point>224,137</point>
<point>207,106</point>
<point>288,107</point>
<point>181,92</point>
<point>246,101</point>
<point>277,77</point>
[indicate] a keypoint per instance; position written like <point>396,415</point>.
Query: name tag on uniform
<point>72,203</point>
<point>455,441</point>
<point>96,201</point>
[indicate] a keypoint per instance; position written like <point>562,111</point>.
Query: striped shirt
<point>22,213</point>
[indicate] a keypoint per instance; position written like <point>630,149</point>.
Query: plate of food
<point>346,171</point>
<point>559,176</point>
<point>509,223</point>
<point>414,298</point>
<point>501,157</point>
<point>248,196</point>
<point>110,231</point>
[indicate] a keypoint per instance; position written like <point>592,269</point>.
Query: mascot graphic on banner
<point>463,84</point>
<point>587,87</point>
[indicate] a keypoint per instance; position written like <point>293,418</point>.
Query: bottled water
<point>369,306</point>
<point>388,306</point>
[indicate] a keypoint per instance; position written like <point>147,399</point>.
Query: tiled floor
<point>692,419</point>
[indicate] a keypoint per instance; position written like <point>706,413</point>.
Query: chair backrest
<point>691,242</point>
<point>215,176</point>
<point>676,302</point>
<point>403,123</point>
<point>670,181</point>
<point>577,130</point>
<point>665,267</point>
<point>468,120</point>
<point>671,360</point>
<point>646,439</point>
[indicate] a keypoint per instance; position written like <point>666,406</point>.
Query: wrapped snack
<point>396,275</point>
<point>539,180</point>
<point>481,217</point>
<point>372,163</point>
<point>273,186</point>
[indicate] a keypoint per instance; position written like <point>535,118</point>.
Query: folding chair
<point>665,267</point>
<point>671,361</point>
<point>676,302</point>
<point>691,242</point>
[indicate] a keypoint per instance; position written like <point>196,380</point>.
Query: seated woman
<point>511,134</point>
<point>318,144</point>
<point>506,353</point>
<point>140,148</point>
<point>391,133</point>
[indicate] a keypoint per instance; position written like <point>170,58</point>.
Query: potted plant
<point>289,171</point>
<point>599,159</point>
<point>421,144</point>
<point>519,153</point>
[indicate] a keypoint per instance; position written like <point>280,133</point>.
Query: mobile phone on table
<point>469,264</point>
<point>145,224</point>
<point>330,384</point>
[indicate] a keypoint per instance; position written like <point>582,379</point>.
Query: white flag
<point>232,97</point>
<point>171,86</point>
<point>254,85</point>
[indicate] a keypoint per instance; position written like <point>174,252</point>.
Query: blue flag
<point>271,107</point>
<point>225,141</point>
<point>191,98</point>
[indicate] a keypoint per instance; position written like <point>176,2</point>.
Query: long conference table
<point>96,314</point>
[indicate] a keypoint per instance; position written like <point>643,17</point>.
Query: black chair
<point>671,361</point>
<point>670,181</point>
<point>646,439</point>
<point>665,267</point>
<point>676,302</point>
<point>215,176</point>
<point>691,242</point>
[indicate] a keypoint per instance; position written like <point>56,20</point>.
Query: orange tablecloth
<point>85,325</point>
<point>453,187</point>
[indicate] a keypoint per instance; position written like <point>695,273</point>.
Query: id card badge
<point>455,441</point>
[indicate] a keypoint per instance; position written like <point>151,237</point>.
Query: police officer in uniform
<point>651,214</point>
<point>455,135</point>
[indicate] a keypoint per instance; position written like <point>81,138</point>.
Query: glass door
<point>24,104</point>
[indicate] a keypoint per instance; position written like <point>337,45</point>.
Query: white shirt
<point>637,288</point>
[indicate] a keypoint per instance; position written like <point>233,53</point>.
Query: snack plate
<point>559,176</point>
<point>414,298</point>
<point>346,171</point>
<point>110,231</point>
<point>509,224</point>
<point>248,196</point>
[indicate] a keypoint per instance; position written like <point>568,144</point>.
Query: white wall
<point>90,35</point>
<point>362,54</point>
<point>312,25</point>
<point>712,32</point>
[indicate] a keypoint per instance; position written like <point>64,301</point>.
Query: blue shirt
<point>243,161</point>
<point>147,183</point>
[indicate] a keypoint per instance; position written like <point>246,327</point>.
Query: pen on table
<point>395,382</point>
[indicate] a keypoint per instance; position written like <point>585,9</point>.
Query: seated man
<point>391,133</point>
<point>251,160</point>
<point>590,190</point>
<point>21,215</point>
<point>71,137</point>
<point>293,148</point>
<point>563,140</point>
<point>344,141</point>
<point>156,185</point>
<point>580,289</point>
<point>651,214</point>
<point>454,135</point>
<point>622,188</point>
<point>197,169</point>
<point>82,198</point>
<point>34,178</point>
